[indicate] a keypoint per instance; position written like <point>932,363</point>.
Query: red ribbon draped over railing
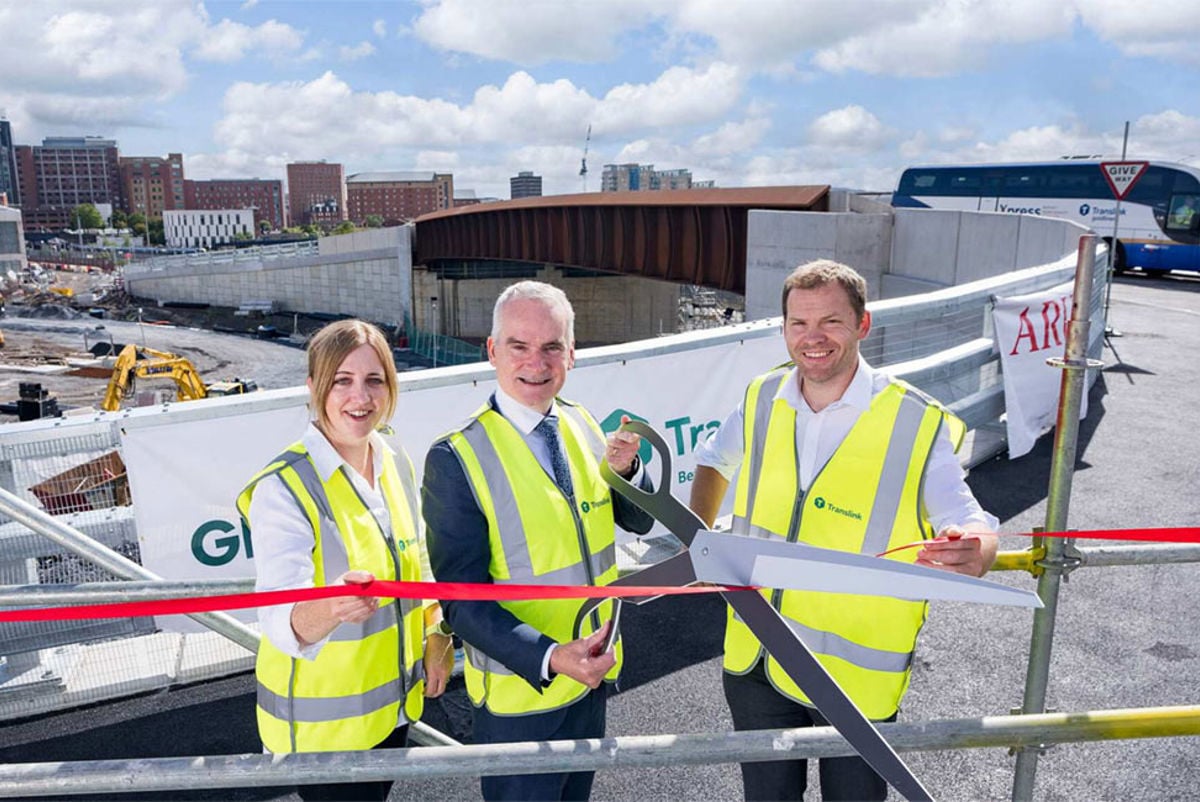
<point>483,591</point>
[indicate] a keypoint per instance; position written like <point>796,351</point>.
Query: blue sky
<point>743,92</point>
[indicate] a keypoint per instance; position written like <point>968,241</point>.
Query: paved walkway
<point>1126,637</point>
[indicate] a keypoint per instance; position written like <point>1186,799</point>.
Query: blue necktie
<point>558,461</point>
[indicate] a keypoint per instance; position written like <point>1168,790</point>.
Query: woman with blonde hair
<point>339,506</point>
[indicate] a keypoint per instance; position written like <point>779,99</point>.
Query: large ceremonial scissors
<point>737,560</point>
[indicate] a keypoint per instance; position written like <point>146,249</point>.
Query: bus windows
<point>1182,216</point>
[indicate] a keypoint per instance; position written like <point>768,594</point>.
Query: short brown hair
<point>330,346</point>
<point>818,273</point>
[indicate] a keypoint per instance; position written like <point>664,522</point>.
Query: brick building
<point>64,172</point>
<point>264,196</point>
<point>398,196</point>
<point>316,193</point>
<point>152,184</point>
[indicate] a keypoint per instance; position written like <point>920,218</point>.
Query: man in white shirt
<point>842,457</point>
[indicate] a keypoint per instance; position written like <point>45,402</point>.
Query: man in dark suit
<point>515,496</point>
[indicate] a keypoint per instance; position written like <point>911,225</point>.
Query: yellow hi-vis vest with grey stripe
<point>538,536</point>
<point>866,499</point>
<point>368,677</point>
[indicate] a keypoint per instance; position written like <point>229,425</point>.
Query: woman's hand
<point>439,662</point>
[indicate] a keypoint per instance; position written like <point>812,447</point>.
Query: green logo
<point>819,503</point>
<point>219,550</point>
<point>613,422</point>
<point>585,507</point>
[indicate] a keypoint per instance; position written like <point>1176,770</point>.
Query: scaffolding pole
<point>632,752</point>
<point>1062,467</point>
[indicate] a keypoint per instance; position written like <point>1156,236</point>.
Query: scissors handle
<point>667,509</point>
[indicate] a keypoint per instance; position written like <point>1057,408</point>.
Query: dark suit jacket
<point>459,551</point>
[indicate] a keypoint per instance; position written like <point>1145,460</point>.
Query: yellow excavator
<point>135,363</point>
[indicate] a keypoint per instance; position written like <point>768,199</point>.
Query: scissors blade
<point>728,559</point>
<point>807,672</point>
<point>675,571</point>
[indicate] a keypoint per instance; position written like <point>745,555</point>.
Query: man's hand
<point>581,660</point>
<point>439,663</point>
<point>620,449</point>
<point>970,553</point>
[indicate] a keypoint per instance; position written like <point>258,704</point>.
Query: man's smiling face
<point>532,352</point>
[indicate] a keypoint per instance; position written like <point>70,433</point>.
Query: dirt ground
<point>47,334</point>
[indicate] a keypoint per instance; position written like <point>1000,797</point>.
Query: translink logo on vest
<point>588,506</point>
<point>820,503</point>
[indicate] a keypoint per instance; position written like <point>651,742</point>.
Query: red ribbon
<point>449,591</point>
<point>485,591</point>
<point>1181,534</point>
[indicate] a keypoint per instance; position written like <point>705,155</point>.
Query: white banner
<point>185,476</point>
<point>1029,330</point>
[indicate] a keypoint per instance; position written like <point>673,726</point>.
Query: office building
<point>264,196</point>
<point>525,185</point>
<point>643,178</point>
<point>8,164</point>
<point>398,197</point>
<point>206,228</point>
<point>63,173</point>
<point>316,193</point>
<point>152,184</point>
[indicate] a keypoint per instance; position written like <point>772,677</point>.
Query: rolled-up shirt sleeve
<point>948,499</point>
<point>723,450</point>
<point>283,546</point>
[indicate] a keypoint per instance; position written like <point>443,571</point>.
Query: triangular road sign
<point>1121,176</point>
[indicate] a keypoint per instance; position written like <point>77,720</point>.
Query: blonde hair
<point>330,346</point>
<point>818,273</point>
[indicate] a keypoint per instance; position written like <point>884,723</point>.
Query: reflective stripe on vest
<point>538,536</point>
<point>865,642</point>
<point>368,676</point>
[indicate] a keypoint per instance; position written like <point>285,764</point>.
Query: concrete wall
<point>367,274</point>
<point>777,242</point>
<point>908,252</point>
<point>608,309</point>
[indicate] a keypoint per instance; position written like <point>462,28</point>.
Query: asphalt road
<point>1126,636</point>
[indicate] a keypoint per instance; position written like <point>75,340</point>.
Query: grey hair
<point>547,294</point>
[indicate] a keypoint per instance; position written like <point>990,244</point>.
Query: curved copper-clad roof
<point>693,236</point>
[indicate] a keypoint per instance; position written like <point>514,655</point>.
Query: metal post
<point>1062,467</point>
<point>1109,331</point>
<point>436,328</point>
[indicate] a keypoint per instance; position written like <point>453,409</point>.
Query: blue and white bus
<point>1160,216</point>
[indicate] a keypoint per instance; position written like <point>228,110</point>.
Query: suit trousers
<point>582,719</point>
<point>756,705</point>
<point>376,791</point>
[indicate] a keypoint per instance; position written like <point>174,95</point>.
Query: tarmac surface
<point>1126,637</point>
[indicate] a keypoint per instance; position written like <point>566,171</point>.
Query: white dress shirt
<point>948,500</point>
<point>283,536</point>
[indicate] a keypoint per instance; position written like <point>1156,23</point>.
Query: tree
<point>374,221</point>
<point>264,226</point>
<point>154,232</point>
<point>137,223</point>
<point>344,228</point>
<point>119,220</point>
<point>85,215</point>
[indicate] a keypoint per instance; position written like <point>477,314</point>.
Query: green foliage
<point>119,219</point>
<point>85,215</point>
<point>154,232</point>
<point>374,221</point>
<point>345,228</point>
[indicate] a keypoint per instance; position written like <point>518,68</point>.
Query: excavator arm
<point>158,365</point>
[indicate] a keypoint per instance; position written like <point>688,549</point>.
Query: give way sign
<point>1121,176</point>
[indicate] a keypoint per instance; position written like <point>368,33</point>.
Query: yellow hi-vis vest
<point>368,677</point>
<point>866,499</point>
<point>538,536</point>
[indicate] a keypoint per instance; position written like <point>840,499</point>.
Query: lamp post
<point>436,327</point>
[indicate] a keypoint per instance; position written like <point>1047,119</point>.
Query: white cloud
<point>849,128</point>
<point>532,33</point>
<point>1164,29</point>
<point>106,63</point>
<point>360,50</point>
<point>230,41</point>
<point>379,27</point>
